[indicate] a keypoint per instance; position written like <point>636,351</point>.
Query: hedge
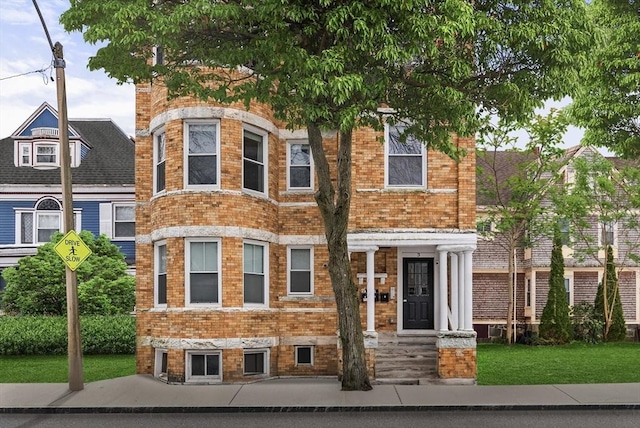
<point>47,335</point>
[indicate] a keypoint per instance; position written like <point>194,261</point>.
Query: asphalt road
<point>437,418</point>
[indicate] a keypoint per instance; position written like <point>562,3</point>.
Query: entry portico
<point>438,289</point>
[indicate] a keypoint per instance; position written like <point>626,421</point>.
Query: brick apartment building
<point>232,282</point>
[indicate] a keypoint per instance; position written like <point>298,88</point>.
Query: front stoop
<point>406,359</point>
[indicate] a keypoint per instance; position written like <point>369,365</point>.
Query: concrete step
<point>406,360</point>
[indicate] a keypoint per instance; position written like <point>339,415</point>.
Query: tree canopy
<point>608,102</point>
<point>438,64</point>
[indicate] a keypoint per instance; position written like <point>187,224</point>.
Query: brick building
<point>232,282</point>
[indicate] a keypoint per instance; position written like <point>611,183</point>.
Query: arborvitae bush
<point>555,324</point>
<point>618,330</point>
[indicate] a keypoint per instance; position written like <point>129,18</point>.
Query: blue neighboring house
<point>102,171</point>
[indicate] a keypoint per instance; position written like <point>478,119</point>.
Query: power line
<point>41,71</point>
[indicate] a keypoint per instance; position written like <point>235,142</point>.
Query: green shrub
<point>587,325</point>
<point>47,335</point>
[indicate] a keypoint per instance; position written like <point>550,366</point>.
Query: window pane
<point>409,146</point>
<point>204,287</point>
<point>125,213</point>
<point>253,176</point>
<point>300,259</point>
<point>202,169</point>
<point>26,220</point>
<point>204,256</point>
<point>213,365</point>
<point>253,146</point>
<point>300,282</point>
<point>254,362</point>
<point>163,367</point>
<point>197,365</point>
<point>253,258</point>
<point>253,288</point>
<point>202,138</point>
<point>304,354</point>
<point>162,258</point>
<point>124,230</point>
<point>300,154</point>
<point>160,177</point>
<point>405,170</point>
<point>162,289</point>
<point>300,176</point>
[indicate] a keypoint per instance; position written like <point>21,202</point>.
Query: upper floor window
<point>43,154</point>
<point>203,284</point>
<point>160,292</point>
<point>254,163</point>
<point>483,226</point>
<point>300,272</point>
<point>255,280</point>
<point>299,166</point>
<point>202,153</point>
<point>405,161</point>
<point>607,233</point>
<point>567,289</point>
<point>159,151</point>
<point>565,231</point>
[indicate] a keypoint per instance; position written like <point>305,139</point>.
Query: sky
<point>24,49</point>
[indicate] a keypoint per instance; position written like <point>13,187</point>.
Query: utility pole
<point>76,382</point>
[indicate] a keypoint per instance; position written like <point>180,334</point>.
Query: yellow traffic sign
<point>72,250</point>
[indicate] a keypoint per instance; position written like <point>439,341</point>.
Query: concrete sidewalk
<point>141,393</point>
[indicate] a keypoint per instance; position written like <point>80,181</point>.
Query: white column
<point>461,292</point>
<point>455,325</point>
<point>442,294</point>
<point>371,292</point>
<point>468,290</point>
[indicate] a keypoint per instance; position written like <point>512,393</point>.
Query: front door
<point>417,286</point>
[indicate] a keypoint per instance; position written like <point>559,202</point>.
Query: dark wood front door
<point>417,285</point>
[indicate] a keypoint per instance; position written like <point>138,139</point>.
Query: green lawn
<point>574,363</point>
<point>497,365</point>
<point>54,368</point>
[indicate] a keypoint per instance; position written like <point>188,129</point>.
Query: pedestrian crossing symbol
<point>72,250</point>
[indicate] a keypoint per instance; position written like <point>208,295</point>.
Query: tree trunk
<point>511,272</point>
<point>334,207</point>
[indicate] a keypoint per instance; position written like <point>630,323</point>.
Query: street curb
<point>312,409</point>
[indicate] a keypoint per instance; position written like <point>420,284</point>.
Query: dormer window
<point>46,154</point>
<point>43,154</point>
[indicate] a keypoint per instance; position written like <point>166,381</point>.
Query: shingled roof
<point>110,160</point>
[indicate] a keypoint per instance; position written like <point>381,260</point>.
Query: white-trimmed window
<point>46,154</point>
<point>256,362</point>
<point>299,166</point>
<point>607,233</point>
<point>527,292</point>
<point>203,365</point>
<point>567,290</point>
<point>158,56</point>
<point>37,225</point>
<point>124,220</point>
<point>202,153</point>
<point>405,161</point>
<point>300,270</point>
<point>254,161</point>
<point>161,363</point>
<point>203,277</point>
<point>304,355</point>
<point>160,282</point>
<point>159,152</point>
<point>25,154</point>
<point>256,261</point>
<point>483,226</point>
